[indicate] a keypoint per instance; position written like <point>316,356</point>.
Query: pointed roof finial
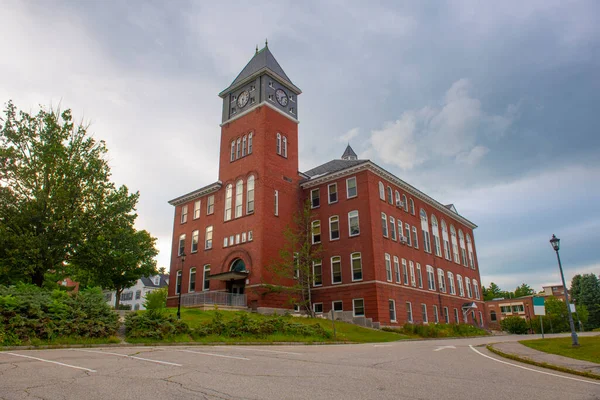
<point>256,49</point>
<point>266,43</point>
<point>349,153</point>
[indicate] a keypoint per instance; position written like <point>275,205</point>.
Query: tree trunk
<point>38,277</point>
<point>118,298</point>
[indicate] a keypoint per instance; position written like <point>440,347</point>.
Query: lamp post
<point>555,242</point>
<point>178,285</point>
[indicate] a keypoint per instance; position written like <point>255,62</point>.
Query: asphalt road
<point>440,369</point>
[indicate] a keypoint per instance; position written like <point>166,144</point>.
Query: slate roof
<point>149,282</point>
<point>333,166</point>
<point>349,154</point>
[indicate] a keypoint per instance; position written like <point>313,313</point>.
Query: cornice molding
<point>256,107</point>
<point>266,71</point>
<point>197,193</point>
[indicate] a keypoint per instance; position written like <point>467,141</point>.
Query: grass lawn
<point>67,340</point>
<point>589,349</point>
<point>344,332</point>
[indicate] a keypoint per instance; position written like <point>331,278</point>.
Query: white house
<point>136,295</point>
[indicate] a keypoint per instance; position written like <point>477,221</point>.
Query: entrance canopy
<point>230,275</point>
<point>468,306</point>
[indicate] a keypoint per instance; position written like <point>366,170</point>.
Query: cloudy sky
<point>492,106</point>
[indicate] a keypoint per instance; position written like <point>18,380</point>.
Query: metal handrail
<point>218,298</point>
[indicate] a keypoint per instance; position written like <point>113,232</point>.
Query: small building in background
<point>135,296</point>
<point>555,290</point>
<point>498,309</point>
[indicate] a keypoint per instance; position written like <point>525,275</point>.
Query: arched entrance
<point>237,283</point>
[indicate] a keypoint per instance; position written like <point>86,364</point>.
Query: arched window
<point>405,202</point>
<point>192,284</point>
<point>238,150</point>
<point>390,198</point>
<point>384,225</point>
<point>398,201</point>
<point>232,157</point>
<point>316,232</point>
<point>476,289</point>
<point>279,143</point>
<point>244,148</point>
<point>468,285</point>
<point>381,191</point>
<point>470,249</point>
<point>454,244</point>
<point>441,280</point>
<point>463,249</point>
<point>446,239</point>
<point>461,287</point>
<point>451,288</point>
<point>412,206</point>
<point>284,149</point>
<point>178,283</point>
<point>425,229</point>
<point>493,317</point>
<point>250,143</point>
<point>436,236</point>
<point>238,265</point>
<point>250,195</point>
<point>239,194</point>
<point>228,196</point>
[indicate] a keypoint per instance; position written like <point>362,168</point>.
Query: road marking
<point>266,351</point>
<point>382,345</point>
<point>531,369</point>
<point>125,355</point>
<point>444,347</point>
<point>52,362</point>
<point>214,355</point>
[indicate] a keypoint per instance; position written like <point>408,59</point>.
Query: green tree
<point>524,290</point>
<point>585,290</point>
<point>492,292</point>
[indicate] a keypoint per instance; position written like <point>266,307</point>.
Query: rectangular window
<point>409,315</point>
<point>206,284</point>
<point>225,241</point>
<point>415,238</point>
<point>405,271</point>
<point>412,274</point>
<point>353,225</point>
<point>480,320</point>
<point>228,202</point>
<point>318,308</point>
<point>505,309</point>
<point>461,288</point>
<point>232,157</point>
<point>250,236</point>
<point>358,305</point>
<point>192,280</point>
<point>315,198</point>
<point>441,281</point>
<point>451,283</point>
<point>184,211</point>
<point>388,268</point>
<point>334,227</point>
<point>208,237</point>
<point>284,152</point>
<point>237,238</point>
<point>197,209</point>
<point>181,244</point>
<point>338,305</point>
<point>384,225</point>
<point>239,195</point>
<point>250,143</point>
<point>250,195</point>
<point>446,315</point>
<point>351,187</point>
<point>238,148</point>
<point>356,263</point>
<point>317,273</point>
<point>138,294</point>
<point>210,205</point>
<point>436,317</point>
<point>392,307</point>
<point>419,276</point>
<point>333,193</point>
<point>407,234</point>
<point>468,285</point>
<point>276,203</point>
<point>195,236</point>
<point>456,315</point>
<point>397,269</point>
<point>178,283</point>
<point>424,312</point>
<point>316,232</point>
<point>392,228</point>
<point>336,269</point>
<point>244,146</point>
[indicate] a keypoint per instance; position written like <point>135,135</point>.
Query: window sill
<point>357,280</point>
<point>334,240</point>
<point>336,283</point>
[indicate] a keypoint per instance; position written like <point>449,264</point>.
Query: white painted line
<point>266,351</point>
<point>444,347</point>
<point>49,361</point>
<point>125,355</point>
<point>382,345</point>
<point>214,355</point>
<point>531,369</point>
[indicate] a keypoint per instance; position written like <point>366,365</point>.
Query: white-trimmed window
<point>468,285</point>
<point>405,271</point>
<point>210,205</point>
<point>284,147</point>
<point>178,283</point>
<point>409,314</point>
<point>244,145</point>
<point>358,307</point>
<point>208,237</point>
<point>356,263</point>
<point>451,283</point>
<point>184,212</point>
<point>239,197</point>
<point>446,315</point>
<point>397,195</point>
<point>337,305</point>
<point>405,202</point>
<point>413,280</point>
<point>276,202</point>
<point>316,232</point>
<point>400,235</point>
<point>441,280</point>
<point>228,199</point>
<point>206,281</point>
<point>317,273</point>
<point>181,244</point>
<point>278,144</point>
<point>454,244</point>
<point>419,276</point>
<point>195,236</point>
<point>384,225</point>
<point>446,241</point>
<point>334,227</point>
<point>315,198</point>
<point>250,143</point>
<point>232,157</point>
<point>436,236</point>
<point>250,195</point>
<point>407,234</point>
<point>424,313</point>
<point>332,193</point>
<point>436,317</point>
<point>390,197</point>
<point>388,267</point>
<point>476,289</point>
<point>411,206</point>
<point>480,320</point>
<point>430,278</point>
<point>336,269</point>
<point>353,225</point>
<point>238,148</point>
<point>456,320</point>
<point>470,249</point>
<point>192,281</point>
<point>392,228</point>
<point>351,188</point>
<point>392,308</point>
<point>318,308</point>
<point>461,287</point>
<point>425,229</point>
<point>381,191</point>
<point>463,248</point>
<point>397,269</point>
<point>415,238</point>
<point>197,209</point>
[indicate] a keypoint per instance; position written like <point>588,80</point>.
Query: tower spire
<point>256,49</point>
<point>266,43</point>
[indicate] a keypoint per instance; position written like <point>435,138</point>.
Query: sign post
<point>539,309</point>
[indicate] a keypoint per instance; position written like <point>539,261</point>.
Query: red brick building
<point>390,252</point>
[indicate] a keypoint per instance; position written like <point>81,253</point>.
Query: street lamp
<point>555,242</point>
<point>178,285</point>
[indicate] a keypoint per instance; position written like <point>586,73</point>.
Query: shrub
<point>155,325</point>
<point>156,300</point>
<point>438,330</point>
<point>514,324</point>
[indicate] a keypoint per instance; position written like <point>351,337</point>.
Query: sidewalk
<point>518,350</point>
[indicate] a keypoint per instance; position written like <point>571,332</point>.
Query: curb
<point>515,357</point>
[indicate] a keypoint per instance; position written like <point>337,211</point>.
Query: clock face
<point>281,97</point>
<point>243,99</point>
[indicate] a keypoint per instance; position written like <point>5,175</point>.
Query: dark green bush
<point>155,325</point>
<point>30,313</point>
<point>514,324</point>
